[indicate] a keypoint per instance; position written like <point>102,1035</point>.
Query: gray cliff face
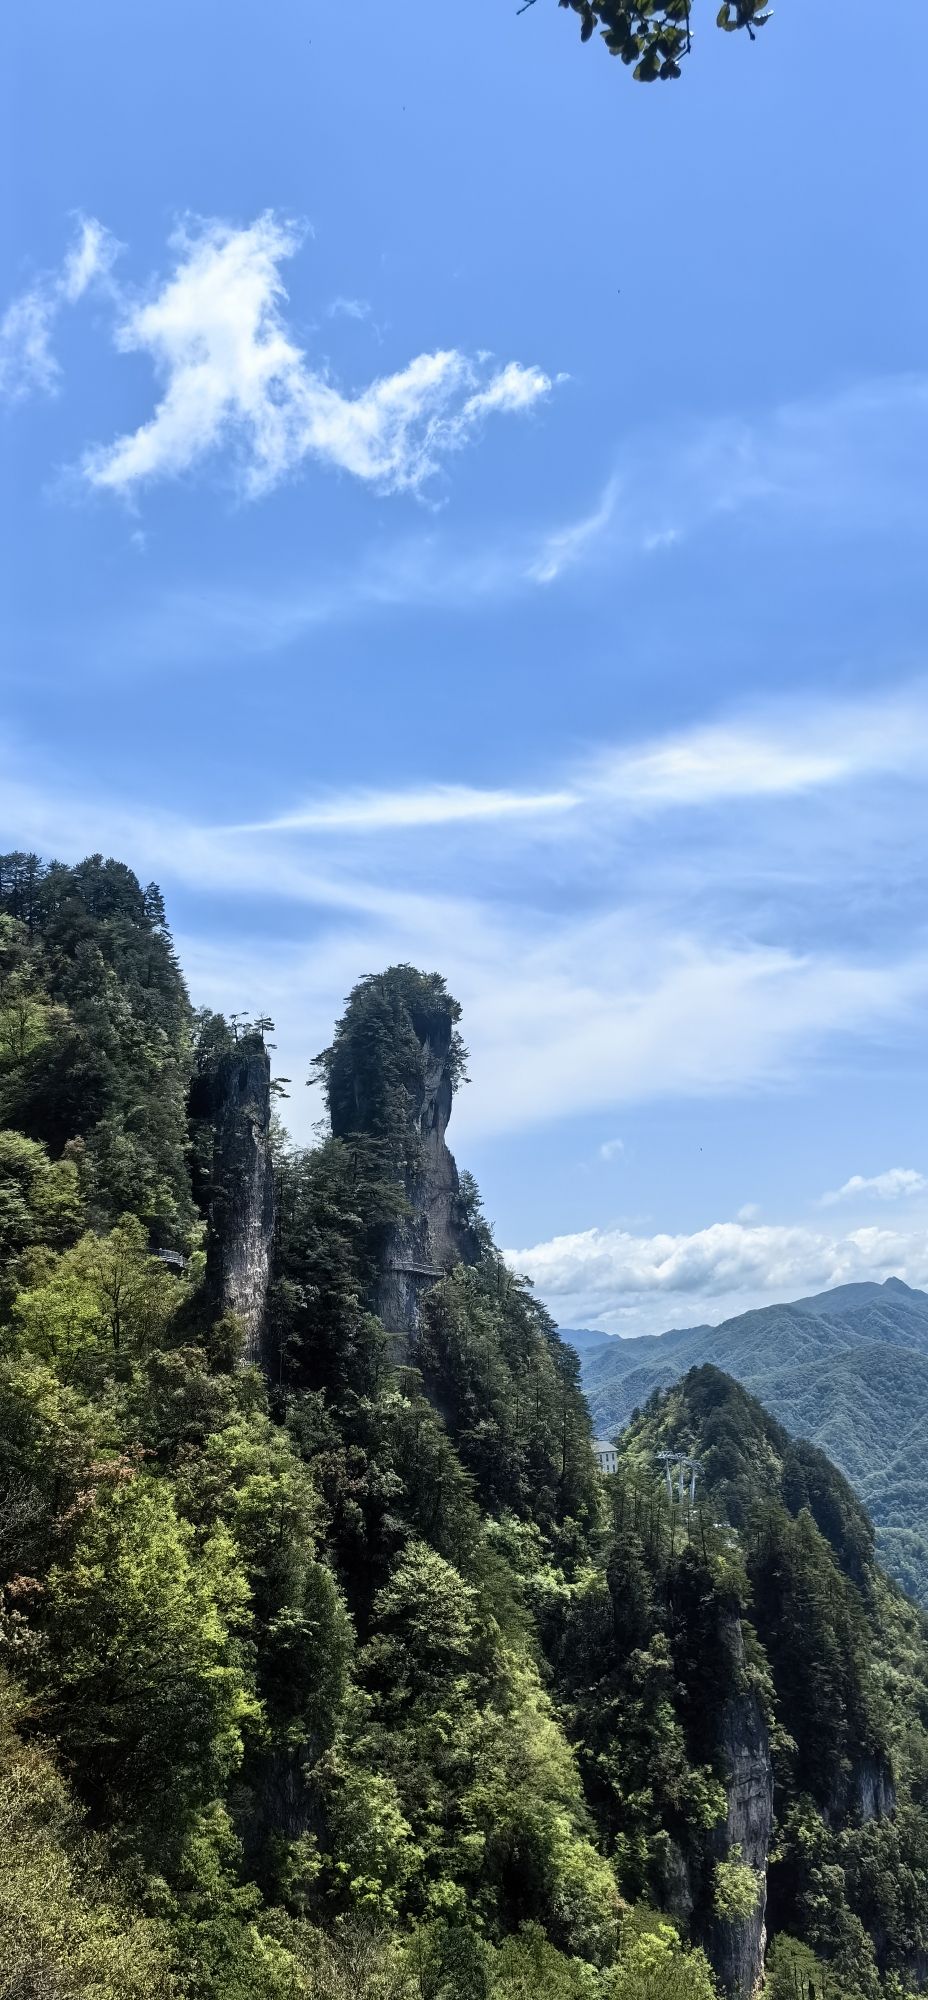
<point>679,1895</point>
<point>868,1792</point>
<point>425,1245</point>
<point>874,1793</point>
<point>737,1948</point>
<point>241,1214</point>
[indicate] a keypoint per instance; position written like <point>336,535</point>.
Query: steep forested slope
<point>847,1369</point>
<point>328,1665</point>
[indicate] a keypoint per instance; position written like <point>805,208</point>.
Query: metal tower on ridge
<point>679,1470</point>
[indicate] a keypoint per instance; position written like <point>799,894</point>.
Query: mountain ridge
<point>847,1369</point>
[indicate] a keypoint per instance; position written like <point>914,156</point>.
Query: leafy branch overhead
<point>653,39</point>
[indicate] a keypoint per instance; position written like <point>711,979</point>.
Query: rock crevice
<point>241,1200</point>
<point>434,1234</point>
<point>736,1946</point>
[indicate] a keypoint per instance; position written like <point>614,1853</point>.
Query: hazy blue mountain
<point>847,1369</point>
<point>585,1338</point>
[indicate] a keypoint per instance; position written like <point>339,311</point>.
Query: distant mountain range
<point>847,1369</point>
<point>583,1337</point>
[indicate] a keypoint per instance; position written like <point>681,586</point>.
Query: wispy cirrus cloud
<point>564,547</point>
<point>341,308</point>
<point>439,805</point>
<point>896,1184</point>
<point>653,968</point>
<point>28,363</point>
<point>850,460</point>
<point>235,378</point>
<point>817,748</point>
<point>847,466</point>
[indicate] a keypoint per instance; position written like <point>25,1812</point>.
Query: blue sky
<point>462,506</point>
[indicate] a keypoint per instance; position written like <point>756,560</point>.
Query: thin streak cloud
<point>637,985</point>
<point>442,805</point>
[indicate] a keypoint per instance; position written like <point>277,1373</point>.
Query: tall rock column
<point>241,1207</point>
<point>736,1947</point>
<point>425,1245</point>
<point>390,1076</point>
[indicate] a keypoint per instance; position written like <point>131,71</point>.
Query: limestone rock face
<point>737,1948</point>
<point>867,1791</point>
<point>241,1209</point>
<point>426,1244</point>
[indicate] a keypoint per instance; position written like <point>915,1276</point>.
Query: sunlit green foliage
<point>105,1297</point>
<point>95,1034</point>
<point>655,1965</point>
<point>67,1924</point>
<point>357,1683</point>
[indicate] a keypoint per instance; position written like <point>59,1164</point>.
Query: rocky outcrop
<point>866,1791</point>
<point>736,1947</point>
<point>679,1895</point>
<point>236,1097</point>
<point>427,1242</point>
<point>873,1794</point>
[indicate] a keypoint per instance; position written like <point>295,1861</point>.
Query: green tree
<point>655,1965</point>
<point>104,1295</point>
<point>140,1673</point>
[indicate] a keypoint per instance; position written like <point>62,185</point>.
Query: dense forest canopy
<point>847,1369</point>
<point>347,1676</point>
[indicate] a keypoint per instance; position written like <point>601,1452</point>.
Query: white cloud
<point>896,1182</point>
<point>566,546</point>
<point>613,1274</point>
<point>89,259</point>
<point>611,1149</point>
<point>701,769</point>
<point>26,359</point>
<point>27,362</point>
<point>866,453</point>
<point>703,766</point>
<point>511,388</point>
<point>602,959</point>
<point>438,805</point>
<point>748,1212</point>
<point>348,309</point>
<point>855,458</point>
<point>234,376</point>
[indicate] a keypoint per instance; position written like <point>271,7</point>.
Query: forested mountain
<point>847,1369</point>
<point>584,1337</point>
<point>329,1667</point>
